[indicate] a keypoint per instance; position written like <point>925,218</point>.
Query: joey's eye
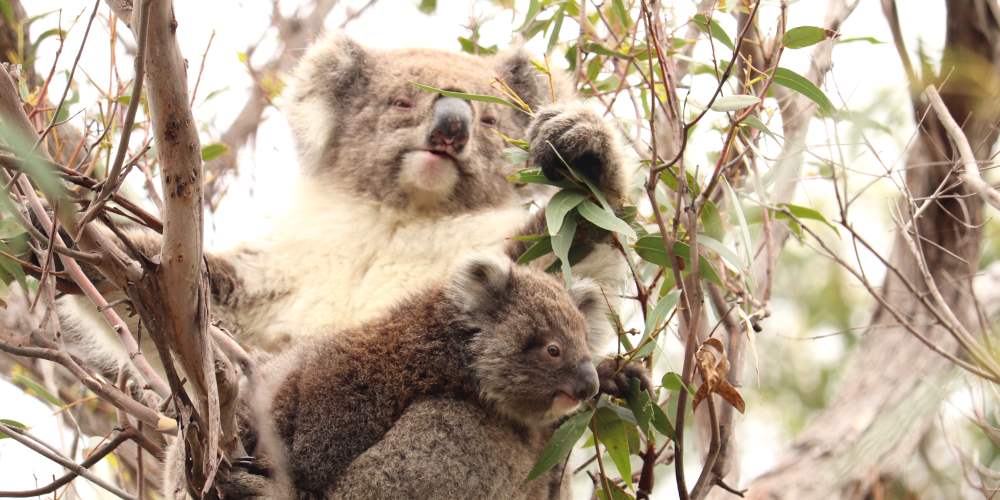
<point>489,121</point>
<point>402,103</point>
<point>553,350</point>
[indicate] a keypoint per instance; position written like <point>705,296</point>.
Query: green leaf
<point>35,389</point>
<point>794,81</point>
<point>804,36</point>
<point>605,219</point>
<point>711,221</point>
<point>673,382</point>
<point>472,47</point>
<point>617,493</point>
<point>556,28</point>
<point>610,431</point>
<point>515,156</point>
<point>805,213</point>
<point>559,206</point>
<point>728,256</point>
<point>734,102</point>
<point>714,29</point>
<point>755,122</point>
<point>213,151</point>
<point>618,7</point>
<point>561,444</point>
<point>8,14</point>
<point>11,266</point>
<point>660,313</point>
<point>650,248</point>
<point>870,39</point>
<point>561,243</point>
<point>737,208</point>
<point>472,97</point>
<point>11,423</point>
<point>661,423</point>
<point>427,6</point>
<point>639,403</point>
<point>533,9</point>
<point>540,248</point>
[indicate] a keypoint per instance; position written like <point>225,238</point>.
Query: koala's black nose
<point>450,129</point>
<point>586,383</point>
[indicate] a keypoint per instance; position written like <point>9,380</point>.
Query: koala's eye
<point>489,121</point>
<point>553,350</point>
<point>402,103</point>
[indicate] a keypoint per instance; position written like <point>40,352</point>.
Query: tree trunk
<point>894,383</point>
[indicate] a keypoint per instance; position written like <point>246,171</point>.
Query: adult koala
<point>398,184</point>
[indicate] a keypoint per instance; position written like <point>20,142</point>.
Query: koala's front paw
<point>248,477</point>
<point>584,140</point>
<point>614,375</point>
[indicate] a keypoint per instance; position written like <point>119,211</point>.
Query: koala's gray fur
<point>361,234</point>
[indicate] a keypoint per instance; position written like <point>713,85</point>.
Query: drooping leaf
<point>561,443</point>
<point>639,402</point>
<point>35,389</point>
<point>561,243</point>
<point>806,213</point>
<point>8,422</point>
<point>213,151</point>
<point>734,102</point>
<point>661,423</point>
<point>650,248</point>
<point>660,312</point>
<point>472,97</point>
<point>610,431</point>
<point>804,36</point>
<point>605,219</point>
<point>673,382</point>
<point>427,6</point>
<point>559,206</point>
<point>712,27</point>
<point>798,83</point>
<point>541,248</point>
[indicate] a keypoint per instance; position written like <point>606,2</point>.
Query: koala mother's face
<point>362,125</point>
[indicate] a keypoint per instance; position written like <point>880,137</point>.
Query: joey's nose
<point>450,129</point>
<point>586,384</point>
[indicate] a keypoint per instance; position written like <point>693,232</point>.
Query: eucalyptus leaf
<point>559,206</point>
<point>605,219</point>
<point>805,36</point>
<point>561,443</point>
<point>610,431</point>
<point>734,102</point>
<point>794,81</point>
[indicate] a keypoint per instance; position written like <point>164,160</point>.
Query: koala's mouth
<point>563,403</point>
<point>444,154</point>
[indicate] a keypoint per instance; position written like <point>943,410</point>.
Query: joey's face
<point>532,356</point>
<point>362,125</point>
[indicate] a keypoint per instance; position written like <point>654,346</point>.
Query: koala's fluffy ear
<point>333,73</point>
<point>478,283</point>
<point>590,300</point>
<point>515,69</point>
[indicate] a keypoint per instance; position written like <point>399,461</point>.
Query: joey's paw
<point>584,140</point>
<point>614,375</point>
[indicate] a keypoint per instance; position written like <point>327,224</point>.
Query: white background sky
<point>862,73</point>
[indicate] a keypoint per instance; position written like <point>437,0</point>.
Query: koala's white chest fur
<point>336,261</point>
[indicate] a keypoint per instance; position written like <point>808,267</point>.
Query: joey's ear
<point>590,300</point>
<point>479,282</point>
<point>514,68</point>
